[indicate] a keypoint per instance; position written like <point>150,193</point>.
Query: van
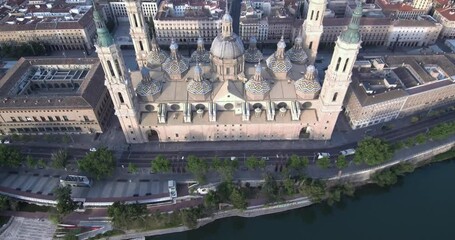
<point>347,152</point>
<point>323,155</point>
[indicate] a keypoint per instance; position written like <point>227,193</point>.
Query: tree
<point>99,164</point>
<point>190,216</point>
<point>372,151</point>
<point>59,158</point>
<point>289,185</point>
<point>211,200</point>
<point>198,167</point>
<point>323,162</point>
<point>270,188</point>
<point>4,203</point>
<point>41,163</point>
<point>341,162</point>
<point>123,214</point>
<point>315,190</point>
<point>297,163</point>
<point>161,164</point>
<point>10,157</point>
<point>226,168</point>
<point>385,178</point>
<point>237,199</point>
<point>31,163</point>
<point>132,168</point>
<point>65,204</point>
<point>253,163</point>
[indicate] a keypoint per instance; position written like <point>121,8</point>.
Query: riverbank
<point>429,152</point>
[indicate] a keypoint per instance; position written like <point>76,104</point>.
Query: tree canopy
<point>198,167</point>
<point>161,164</point>
<point>238,199</point>
<point>341,162</point>
<point>10,157</point>
<point>122,214</point>
<point>297,163</point>
<point>323,162</point>
<point>59,158</point>
<point>225,168</point>
<point>99,164</point>
<point>373,151</point>
<point>254,163</point>
<point>65,204</point>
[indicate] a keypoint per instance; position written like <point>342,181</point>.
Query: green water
<point>420,206</point>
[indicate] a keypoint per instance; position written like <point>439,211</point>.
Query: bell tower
<point>338,74</point>
<point>139,31</point>
<point>117,81</point>
<point>312,28</point>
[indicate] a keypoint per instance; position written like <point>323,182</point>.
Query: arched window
<point>312,13</point>
<point>338,64</point>
<point>111,69</point>
<point>141,46</point>
<point>121,98</point>
<point>135,20</point>
<point>310,45</point>
<point>317,15</point>
<point>345,64</point>
<point>117,65</point>
<point>335,97</point>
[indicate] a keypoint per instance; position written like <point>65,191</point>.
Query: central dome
<point>227,47</point>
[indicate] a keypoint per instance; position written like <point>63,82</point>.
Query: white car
<point>6,141</point>
<point>92,149</point>
<point>347,152</point>
<point>233,158</point>
<point>323,155</point>
<point>202,191</point>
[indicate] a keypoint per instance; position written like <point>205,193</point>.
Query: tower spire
<point>104,37</point>
<point>227,23</point>
<point>352,34</point>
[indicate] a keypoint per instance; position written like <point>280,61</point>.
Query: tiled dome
<point>309,82</point>
<point>200,55</point>
<point>198,85</point>
<point>297,54</point>
<point>252,54</point>
<point>148,87</point>
<point>257,85</point>
<point>156,56</point>
<point>175,64</point>
<point>279,62</point>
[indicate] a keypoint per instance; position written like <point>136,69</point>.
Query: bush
<point>373,151</point>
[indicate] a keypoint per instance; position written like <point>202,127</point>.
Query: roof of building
<point>448,13</point>
<point>86,96</point>
<point>60,16</point>
<point>403,75</point>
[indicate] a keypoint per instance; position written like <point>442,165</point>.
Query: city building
<point>404,9</point>
<point>387,88</point>
<point>446,17</point>
<point>173,98</point>
<point>267,21</point>
<point>117,10</point>
<point>370,10</point>
<point>422,31</point>
<point>57,25</point>
<point>54,96</point>
<point>186,21</point>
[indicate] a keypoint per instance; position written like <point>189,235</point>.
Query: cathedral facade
<point>229,92</point>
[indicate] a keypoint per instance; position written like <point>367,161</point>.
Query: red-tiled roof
<point>448,13</point>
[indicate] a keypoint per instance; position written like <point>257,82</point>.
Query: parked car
<point>6,141</point>
<point>92,149</point>
<point>323,155</point>
<point>348,152</point>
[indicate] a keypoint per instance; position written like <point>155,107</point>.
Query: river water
<point>420,206</point>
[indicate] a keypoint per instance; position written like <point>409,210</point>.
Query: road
<point>275,156</point>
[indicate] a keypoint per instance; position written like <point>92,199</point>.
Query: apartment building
<point>186,21</point>
<point>57,25</point>
<point>446,16</point>
<point>54,96</point>
<point>422,31</point>
<point>396,86</point>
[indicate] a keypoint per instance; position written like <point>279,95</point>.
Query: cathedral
<point>228,93</point>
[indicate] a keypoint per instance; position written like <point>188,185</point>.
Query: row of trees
<point>22,50</point>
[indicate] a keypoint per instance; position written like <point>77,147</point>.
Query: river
<point>420,206</point>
